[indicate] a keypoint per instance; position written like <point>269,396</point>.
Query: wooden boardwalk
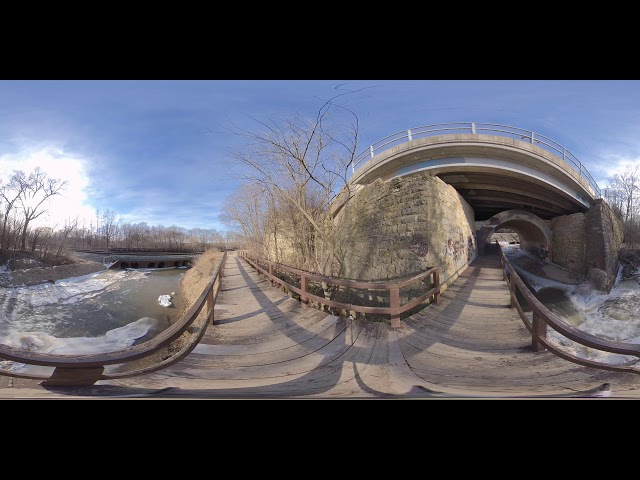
<point>266,345</point>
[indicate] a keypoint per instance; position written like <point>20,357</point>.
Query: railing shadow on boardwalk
<point>332,369</point>
<point>453,302</point>
<point>329,372</point>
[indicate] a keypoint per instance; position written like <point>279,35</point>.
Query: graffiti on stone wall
<point>471,248</point>
<point>455,249</point>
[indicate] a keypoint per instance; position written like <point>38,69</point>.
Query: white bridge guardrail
<point>473,127</point>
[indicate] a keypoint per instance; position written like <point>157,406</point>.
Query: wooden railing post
<point>210,304</point>
<point>539,327</point>
<point>436,284</point>
<point>304,286</point>
<point>512,292</point>
<point>394,294</point>
<point>271,273</point>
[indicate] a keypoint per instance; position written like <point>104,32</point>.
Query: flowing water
<point>99,312</point>
<point>613,316</point>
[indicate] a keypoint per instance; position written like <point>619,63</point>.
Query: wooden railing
<point>395,308</point>
<point>542,318</point>
<point>87,369</point>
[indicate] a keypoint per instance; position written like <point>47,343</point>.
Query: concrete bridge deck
<point>266,345</point>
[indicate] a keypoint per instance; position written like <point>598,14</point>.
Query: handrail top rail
<point>352,283</point>
<point>569,331</point>
<point>395,308</point>
<point>118,356</point>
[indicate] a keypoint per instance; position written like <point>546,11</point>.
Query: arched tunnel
<point>535,235</point>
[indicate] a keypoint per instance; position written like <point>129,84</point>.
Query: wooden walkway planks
<point>267,345</point>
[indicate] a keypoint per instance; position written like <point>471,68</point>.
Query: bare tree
<point>624,187</point>
<point>304,163</point>
<point>246,209</point>
<point>69,226</point>
<point>109,226</point>
<point>35,190</point>
<point>9,192</point>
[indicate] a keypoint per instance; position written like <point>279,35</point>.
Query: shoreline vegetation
<point>194,280</point>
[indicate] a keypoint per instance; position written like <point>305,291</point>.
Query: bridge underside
<point>492,174</point>
<point>491,193</point>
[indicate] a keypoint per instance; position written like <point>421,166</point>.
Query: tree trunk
<point>4,229</point>
<point>23,241</point>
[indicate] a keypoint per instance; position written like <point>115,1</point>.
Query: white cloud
<point>616,164</point>
<point>56,163</point>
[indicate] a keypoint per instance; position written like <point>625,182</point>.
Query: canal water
<point>99,312</point>
<point>613,316</point>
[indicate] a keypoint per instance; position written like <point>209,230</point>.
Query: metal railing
<point>78,370</point>
<point>395,308</point>
<point>476,128</point>
<point>542,317</point>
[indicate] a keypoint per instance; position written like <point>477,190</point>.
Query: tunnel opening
<point>151,265</point>
<point>135,265</point>
<point>534,236</point>
<point>176,264</point>
<point>161,265</point>
<point>505,236</point>
<point>124,265</point>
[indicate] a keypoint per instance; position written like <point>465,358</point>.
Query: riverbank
<point>195,280</point>
<point>38,275</point>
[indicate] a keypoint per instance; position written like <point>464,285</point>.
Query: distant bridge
<point>122,258</point>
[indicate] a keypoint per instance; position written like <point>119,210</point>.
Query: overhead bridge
<point>494,167</point>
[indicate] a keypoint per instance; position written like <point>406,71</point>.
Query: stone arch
<point>124,265</point>
<point>151,265</point>
<point>535,235</point>
<point>161,265</point>
<point>176,263</point>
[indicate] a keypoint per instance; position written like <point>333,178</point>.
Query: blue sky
<point>156,151</point>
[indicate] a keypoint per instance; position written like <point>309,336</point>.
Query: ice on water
<point>164,300</point>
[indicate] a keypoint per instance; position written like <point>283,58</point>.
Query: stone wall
<point>405,226</point>
<point>604,232</point>
<point>569,245</point>
<point>588,244</point>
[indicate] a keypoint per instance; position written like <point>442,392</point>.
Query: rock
<point>599,279</point>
